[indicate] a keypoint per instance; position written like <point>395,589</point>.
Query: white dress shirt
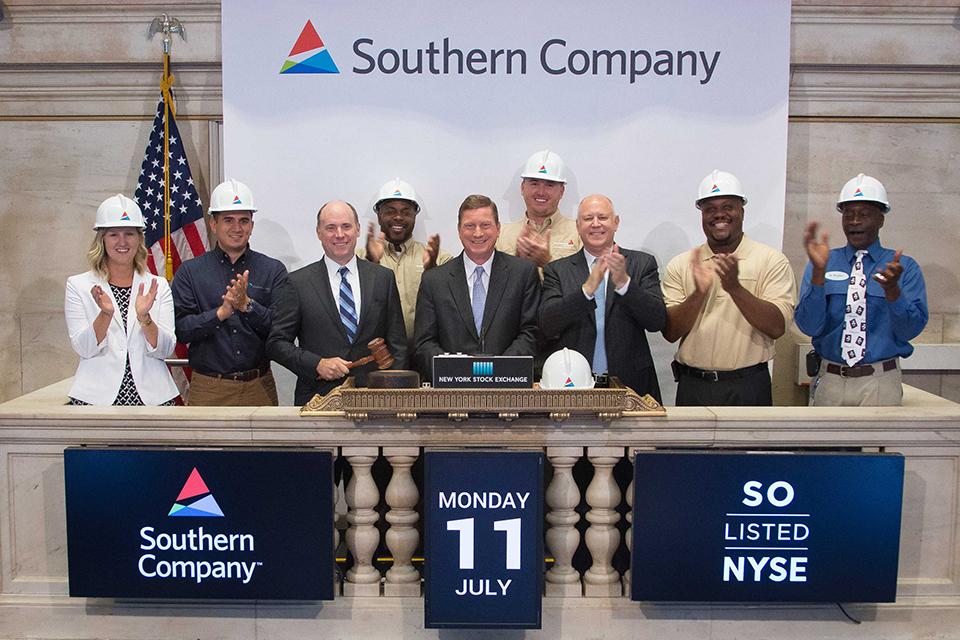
<point>353,278</point>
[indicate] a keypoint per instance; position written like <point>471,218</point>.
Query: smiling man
<point>543,234</point>
<point>483,301</point>
<point>328,311</point>
<point>601,301</point>
<point>861,304</point>
<point>397,207</point>
<point>222,301</point>
<point>727,302</point>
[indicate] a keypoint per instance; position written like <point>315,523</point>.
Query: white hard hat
<point>397,189</point>
<point>720,183</point>
<point>566,369</point>
<point>545,165</point>
<point>118,211</point>
<point>232,195</point>
<point>864,188</point>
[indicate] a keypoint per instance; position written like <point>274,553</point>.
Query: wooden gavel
<point>379,352</point>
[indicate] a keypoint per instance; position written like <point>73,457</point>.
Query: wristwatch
<point>147,322</point>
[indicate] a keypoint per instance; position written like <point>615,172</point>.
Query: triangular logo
<point>397,193</point>
<point>309,54</point>
<point>569,382</point>
<point>236,200</point>
<point>858,193</point>
<point>715,189</point>
<point>542,169</point>
<point>195,499</point>
<point>125,216</point>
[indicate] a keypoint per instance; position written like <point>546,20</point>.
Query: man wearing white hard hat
<point>542,234</point>
<point>397,207</point>
<point>728,300</point>
<point>861,303</point>
<point>223,300</point>
<point>601,301</point>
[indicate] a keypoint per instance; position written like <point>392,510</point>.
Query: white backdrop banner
<point>329,100</point>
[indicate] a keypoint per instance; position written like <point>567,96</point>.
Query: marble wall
<point>874,88</point>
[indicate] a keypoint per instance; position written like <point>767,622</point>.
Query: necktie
<point>479,298</point>
<point>600,346</point>
<point>855,318</point>
<point>348,310</point>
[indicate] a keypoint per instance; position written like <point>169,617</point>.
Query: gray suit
<point>567,316</point>
<point>444,318</point>
<point>305,310</point>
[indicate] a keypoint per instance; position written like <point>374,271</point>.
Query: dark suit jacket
<point>304,309</point>
<point>567,316</point>
<point>444,318</point>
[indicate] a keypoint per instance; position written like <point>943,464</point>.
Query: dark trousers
<point>752,390</point>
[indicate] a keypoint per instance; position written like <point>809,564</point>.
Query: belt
<point>239,376</point>
<point>861,370</point>
<point>717,376</point>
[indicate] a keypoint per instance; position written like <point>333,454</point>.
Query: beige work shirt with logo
<point>407,266</point>
<point>721,338</point>
<point>564,239</point>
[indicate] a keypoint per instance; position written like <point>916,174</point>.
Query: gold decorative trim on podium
<point>348,401</point>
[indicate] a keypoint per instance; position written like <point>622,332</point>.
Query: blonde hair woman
<point>119,317</point>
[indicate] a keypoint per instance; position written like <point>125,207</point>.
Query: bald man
<point>602,300</point>
<point>333,308</point>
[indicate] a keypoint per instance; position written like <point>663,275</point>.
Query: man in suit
<point>482,301</point>
<point>600,301</point>
<point>333,307</point>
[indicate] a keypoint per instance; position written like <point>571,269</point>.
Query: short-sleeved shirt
<point>721,338</point>
<point>564,239</point>
<point>407,266</point>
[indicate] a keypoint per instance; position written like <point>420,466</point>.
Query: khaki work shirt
<point>407,266</point>
<point>564,239</point>
<point>721,338</point>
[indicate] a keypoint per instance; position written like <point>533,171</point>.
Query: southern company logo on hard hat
<point>309,54</point>
<point>125,217</point>
<point>569,382</point>
<point>542,169</point>
<point>715,188</point>
<point>236,200</point>
<point>195,499</point>
<point>397,193</point>
<point>858,193</point>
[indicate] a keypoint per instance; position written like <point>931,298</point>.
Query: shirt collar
<point>873,251</point>
<point>470,266</point>
<point>404,246</point>
<point>222,255</point>
<point>742,250</point>
<point>333,267</point>
<point>540,228</point>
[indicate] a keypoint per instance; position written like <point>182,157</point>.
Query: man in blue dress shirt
<point>861,304</point>
<point>222,303</point>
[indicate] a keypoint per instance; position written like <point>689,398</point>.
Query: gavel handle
<point>362,361</point>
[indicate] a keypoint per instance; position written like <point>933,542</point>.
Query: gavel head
<point>380,352</point>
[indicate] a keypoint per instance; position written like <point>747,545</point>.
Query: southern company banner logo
<point>309,54</point>
<point>195,499</point>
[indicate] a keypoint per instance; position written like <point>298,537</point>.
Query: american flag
<point>188,235</point>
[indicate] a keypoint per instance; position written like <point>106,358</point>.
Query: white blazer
<point>101,365</point>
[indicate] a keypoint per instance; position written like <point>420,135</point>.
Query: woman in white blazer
<point>120,317</point>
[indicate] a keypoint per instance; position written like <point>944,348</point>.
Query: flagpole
<point>166,25</point>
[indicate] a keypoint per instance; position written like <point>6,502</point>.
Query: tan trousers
<point>882,389</point>
<point>207,391</point>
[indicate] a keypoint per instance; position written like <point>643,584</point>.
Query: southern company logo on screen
<point>555,57</point>
<point>196,555</point>
<point>195,499</point>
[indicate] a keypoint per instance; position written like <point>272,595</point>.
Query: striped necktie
<point>348,310</point>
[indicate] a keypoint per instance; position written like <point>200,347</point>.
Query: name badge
<point>836,275</point>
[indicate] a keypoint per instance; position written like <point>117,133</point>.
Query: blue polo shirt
<point>237,343</point>
<point>890,325</point>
